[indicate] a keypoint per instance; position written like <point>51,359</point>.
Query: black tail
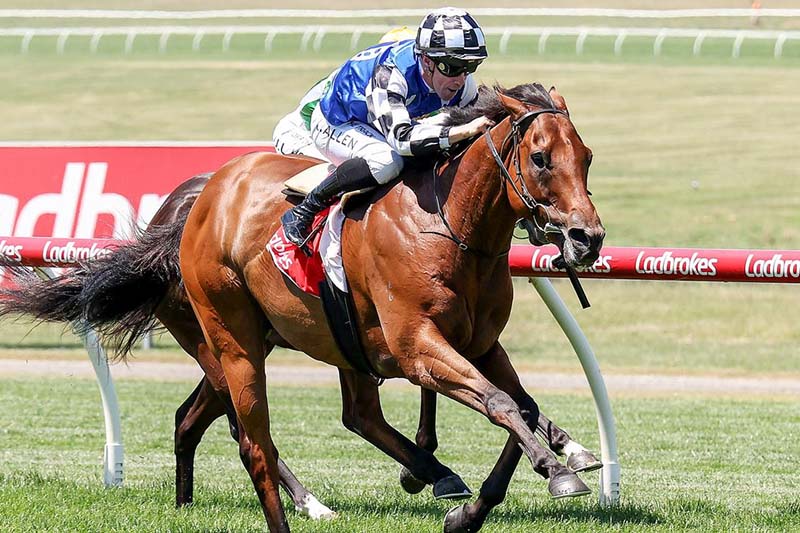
<point>117,295</point>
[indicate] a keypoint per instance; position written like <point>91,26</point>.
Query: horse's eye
<point>538,159</point>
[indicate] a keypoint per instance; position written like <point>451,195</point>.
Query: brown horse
<point>211,400</point>
<point>121,295</point>
<point>428,310</point>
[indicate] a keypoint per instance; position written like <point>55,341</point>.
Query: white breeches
<point>354,139</point>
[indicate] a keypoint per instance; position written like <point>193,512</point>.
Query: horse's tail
<point>117,295</point>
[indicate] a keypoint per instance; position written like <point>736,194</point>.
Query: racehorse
<point>427,269</point>
<point>549,159</point>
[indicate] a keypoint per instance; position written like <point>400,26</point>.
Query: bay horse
<point>557,175</point>
<point>123,294</point>
<point>427,270</point>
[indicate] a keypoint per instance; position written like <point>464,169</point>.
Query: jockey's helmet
<point>451,33</point>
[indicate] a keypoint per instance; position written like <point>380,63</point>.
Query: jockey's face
<point>445,87</point>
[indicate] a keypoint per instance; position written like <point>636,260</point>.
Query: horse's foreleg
<point>362,414</point>
<point>470,517</point>
<point>427,359</point>
<point>425,439</point>
<point>192,419</point>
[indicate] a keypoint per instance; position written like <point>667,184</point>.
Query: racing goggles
<point>452,67</point>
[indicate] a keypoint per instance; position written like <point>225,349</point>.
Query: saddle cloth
<point>303,271</point>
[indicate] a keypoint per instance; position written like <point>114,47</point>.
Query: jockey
<point>292,134</point>
<point>369,113</point>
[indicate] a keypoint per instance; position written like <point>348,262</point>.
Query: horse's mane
<point>488,103</point>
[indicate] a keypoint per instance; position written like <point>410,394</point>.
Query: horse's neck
<point>476,205</point>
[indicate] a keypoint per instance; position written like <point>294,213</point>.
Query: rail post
<point>113,452</point>
<point>610,474</point>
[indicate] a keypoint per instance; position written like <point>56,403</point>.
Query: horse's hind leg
<point>209,401</point>
<point>425,438</point>
<point>304,501</point>
<point>192,420</point>
<point>235,330</point>
<point>362,414</point>
<point>579,459</point>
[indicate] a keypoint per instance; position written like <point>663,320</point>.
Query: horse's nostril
<point>579,236</point>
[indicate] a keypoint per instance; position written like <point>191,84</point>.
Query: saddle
<point>337,304</point>
<point>299,185</point>
<point>303,182</point>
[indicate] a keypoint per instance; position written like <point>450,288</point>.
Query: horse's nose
<point>587,238</point>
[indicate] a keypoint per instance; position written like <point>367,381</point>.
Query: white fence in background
<point>395,13</point>
<point>312,36</point>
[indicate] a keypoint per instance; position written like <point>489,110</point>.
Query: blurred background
<point>694,134</point>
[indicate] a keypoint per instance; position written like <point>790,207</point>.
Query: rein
<point>518,128</point>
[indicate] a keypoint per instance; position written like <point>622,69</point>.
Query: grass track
<point>687,465</point>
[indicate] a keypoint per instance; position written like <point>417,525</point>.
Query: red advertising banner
<point>668,264</point>
<point>86,191</point>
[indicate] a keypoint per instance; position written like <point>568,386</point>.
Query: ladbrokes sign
<point>94,191</point>
<point>679,264</point>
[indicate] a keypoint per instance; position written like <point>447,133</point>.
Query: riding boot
<point>351,175</point>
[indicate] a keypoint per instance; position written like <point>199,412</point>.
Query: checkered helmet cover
<point>451,32</point>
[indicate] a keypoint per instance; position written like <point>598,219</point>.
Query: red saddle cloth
<point>304,271</point>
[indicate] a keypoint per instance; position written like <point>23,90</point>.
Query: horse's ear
<point>559,100</point>
<point>514,107</point>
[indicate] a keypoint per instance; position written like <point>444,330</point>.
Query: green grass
<point>688,464</point>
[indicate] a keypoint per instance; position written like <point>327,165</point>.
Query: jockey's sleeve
<point>386,104</point>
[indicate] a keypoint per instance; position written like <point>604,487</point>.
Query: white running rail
<point>314,35</point>
<point>113,452</point>
<point>393,13</point>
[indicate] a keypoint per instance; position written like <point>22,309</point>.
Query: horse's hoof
<point>583,461</point>
<point>314,509</point>
<point>457,521</point>
<point>409,483</point>
<point>567,485</point>
<point>451,488</point>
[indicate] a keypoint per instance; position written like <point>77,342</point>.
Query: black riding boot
<point>351,175</point>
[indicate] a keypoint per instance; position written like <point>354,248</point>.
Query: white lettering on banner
<point>148,206</point>
<point>666,264</point>
<point>775,267</point>
<point>11,252</point>
<point>68,216</point>
<point>69,253</point>
<point>543,262</point>
<point>95,202</point>
<point>8,212</point>
<point>63,205</point>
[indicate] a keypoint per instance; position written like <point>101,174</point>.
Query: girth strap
<point>340,313</point>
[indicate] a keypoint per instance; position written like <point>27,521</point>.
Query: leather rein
<point>518,129</point>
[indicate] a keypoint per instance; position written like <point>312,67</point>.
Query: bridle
<point>518,129</point>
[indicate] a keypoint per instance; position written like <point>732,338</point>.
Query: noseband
<point>518,129</point>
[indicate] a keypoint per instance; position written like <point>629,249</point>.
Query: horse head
<point>548,172</point>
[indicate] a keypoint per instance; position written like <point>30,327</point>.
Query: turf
<point>689,464</point>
